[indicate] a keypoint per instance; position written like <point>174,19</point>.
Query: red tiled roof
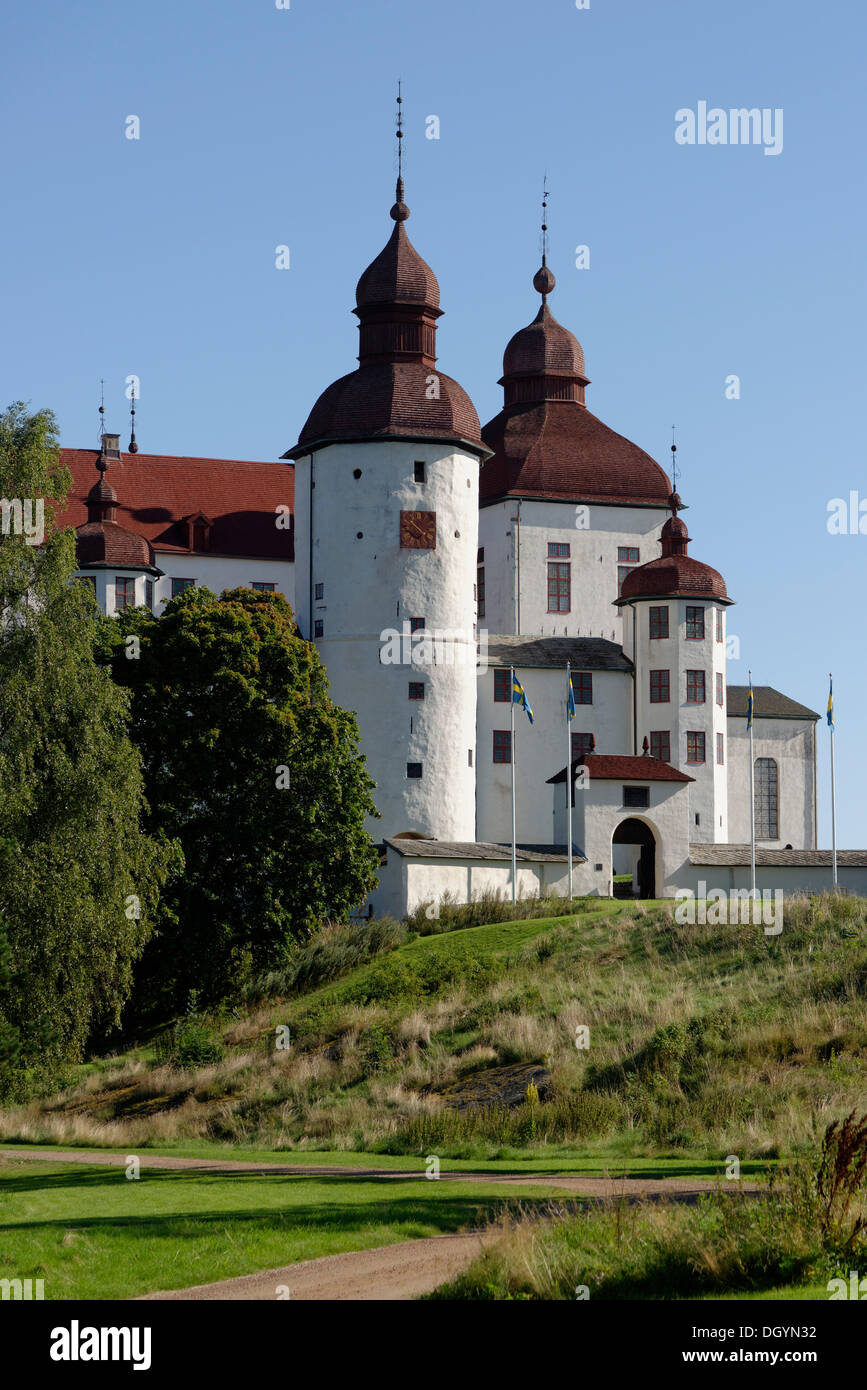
<point>157,491</point>
<point>558,450</point>
<point>671,575</point>
<point>607,767</point>
<point>390,399</point>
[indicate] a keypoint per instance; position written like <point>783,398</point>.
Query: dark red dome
<point>674,572</point>
<point>109,543</point>
<point>543,346</point>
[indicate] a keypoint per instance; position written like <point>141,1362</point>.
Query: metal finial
<point>545,220</point>
<point>101,411</point>
<point>399,134</point>
<point>133,447</point>
<point>674,469</point>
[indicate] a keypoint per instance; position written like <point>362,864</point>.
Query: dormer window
<point>198,531</point>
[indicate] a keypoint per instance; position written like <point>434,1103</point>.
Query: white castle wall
<point>370,586</point>
<point>215,572</point>
<point>792,743</point>
<point>541,748</point>
<point>593,559</point>
<point>708,795</point>
<point>599,810</point>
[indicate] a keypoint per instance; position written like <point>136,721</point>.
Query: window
<point>767,800</point>
<point>469,757</point>
<point>659,688</point>
<point>558,550</point>
<point>660,744</point>
<point>480,555</point>
<point>319,591</point>
<point>319,627</point>
<point>262,587</point>
<point>658,623</point>
<point>416,690</point>
<point>694,624</point>
<point>413,769</point>
<point>695,748</point>
<point>416,625</point>
<point>502,686</point>
<point>582,744</point>
<point>695,687</point>
<point>720,749</point>
<point>149,593</point>
<point>559,586</point>
<point>419,471</point>
<point>636,796</point>
<point>719,624</point>
<point>719,688</point>
<point>200,536</point>
<point>180,586</point>
<point>124,594</point>
<point>627,557</point>
<point>480,591</point>
<point>502,746</point>
<point>582,687</point>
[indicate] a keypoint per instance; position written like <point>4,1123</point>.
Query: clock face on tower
<point>418,530</point>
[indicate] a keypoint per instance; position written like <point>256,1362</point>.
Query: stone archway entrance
<point>638,834</point>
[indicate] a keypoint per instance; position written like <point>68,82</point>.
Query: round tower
<point>386,532</point>
<point>679,654</point>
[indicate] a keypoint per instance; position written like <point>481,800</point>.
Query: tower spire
<point>101,411</point>
<point>400,211</point>
<point>133,447</point>
<point>543,280</point>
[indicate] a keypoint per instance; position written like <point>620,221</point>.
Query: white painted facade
<point>357,580</point>
<point>214,572</point>
<point>791,743</point>
<point>599,810</point>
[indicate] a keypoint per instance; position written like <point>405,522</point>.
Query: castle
<point>428,557</point>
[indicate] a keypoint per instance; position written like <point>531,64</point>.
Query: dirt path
<point>602,1187</point>
<point>390,1272</point>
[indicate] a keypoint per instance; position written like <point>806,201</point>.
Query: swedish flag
<point>570,699</point>
<point>750,707</point>
<point>519,698</point>
<point>831,703</point>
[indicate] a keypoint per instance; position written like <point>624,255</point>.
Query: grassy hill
<point>704,1040</point>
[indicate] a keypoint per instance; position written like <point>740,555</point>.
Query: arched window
<point>767,800</point>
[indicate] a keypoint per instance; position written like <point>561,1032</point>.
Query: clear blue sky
<point>262,127</point>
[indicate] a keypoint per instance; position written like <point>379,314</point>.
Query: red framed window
<point>720,749</point>
<point>694,624</point>
<point>582,744</point>
<point>660,688</point>
<point>660,744</point>
<point>559,550</point>
<point>559,587</point>
<point>502,746</point>
<point>695,687</point>
<point>658,623</point>
<point>480,590</point>
<point>262,587</point>
<point>416,625</point>
<point>695,747</point>
<point>719,688</point>
<point>179,586</point>
<point>719,624</point>
<point>149,594</point>
<point>628,554</point>
<point>582,687</point>
<point>124,594</point>
<point>416,690</point>
<point>502,686</point>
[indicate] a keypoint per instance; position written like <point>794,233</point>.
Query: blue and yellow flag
<point>831,703</point>
<point>519,698</point>
<point>750,707</point>
<point>570,698</point>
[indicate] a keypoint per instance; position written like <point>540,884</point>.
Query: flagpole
<point>569,776</point>
<point>512,761</point>
<point>833,796</point>
<point>752,802</point>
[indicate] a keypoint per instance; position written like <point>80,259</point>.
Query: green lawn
<point>90,1233</point>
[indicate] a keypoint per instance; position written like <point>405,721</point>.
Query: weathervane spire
<point>400,211</point>
<point>133,446</point>
<point>545,220</point>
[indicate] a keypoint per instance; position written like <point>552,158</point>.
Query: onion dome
<point>102,542</point>
<point>674,573</point>
<point>396,391</point>
<point>545,441</point>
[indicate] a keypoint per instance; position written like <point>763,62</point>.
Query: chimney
<point>111,446</point>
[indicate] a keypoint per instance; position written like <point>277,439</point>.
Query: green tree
<point>255,771</point>
<point>79,881</point>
